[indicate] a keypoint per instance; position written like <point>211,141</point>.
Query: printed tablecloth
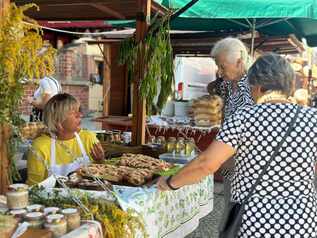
<point>169,214</point>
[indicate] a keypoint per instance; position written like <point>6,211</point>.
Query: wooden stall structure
<point>63,10</point>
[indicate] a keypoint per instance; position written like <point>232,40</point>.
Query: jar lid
<point>49,210</point>
<point>18,187</point>
<point>18,212</point>
<point>54,218</point>
<point>34,215</point>
<point>69,211</point>
<point>34,207</point>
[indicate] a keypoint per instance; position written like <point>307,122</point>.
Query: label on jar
<point>51,210</point>
<point>18,212</point>
<point>34,215</point>
<point>34,208</point>
<point>54,218</point>
<point>18,187</point>
<point>69,211</point>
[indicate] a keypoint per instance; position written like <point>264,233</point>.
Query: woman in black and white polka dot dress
<point>284,203</point>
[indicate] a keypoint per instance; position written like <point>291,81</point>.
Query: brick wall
<point>80,92</point>
<point>73,69</point>
<point>25,107</point>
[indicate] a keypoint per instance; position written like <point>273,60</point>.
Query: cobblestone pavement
<point>208,225</point>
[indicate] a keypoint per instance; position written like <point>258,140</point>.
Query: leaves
<point>157,63</point>
<point>21,57</point>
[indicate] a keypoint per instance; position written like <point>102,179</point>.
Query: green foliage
<point>22,58</point>
<point>156,63</point>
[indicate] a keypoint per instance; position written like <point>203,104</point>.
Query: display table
<point>165,214</point>
<point>203,135</point>
<point>172,214</point>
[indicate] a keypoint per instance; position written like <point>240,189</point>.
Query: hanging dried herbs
<point>158,77</point>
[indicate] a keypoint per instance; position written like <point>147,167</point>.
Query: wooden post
<point>4,161</point>
<point>138,106</point>
<point>4,133</point>
<point>106,78</point>
<point>4,4</point>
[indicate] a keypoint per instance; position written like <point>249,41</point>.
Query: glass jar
<point>151,140</point>
<point>18,214</point>
<point>72,217</point>
<point>57,224</point>
<point>180,146</point>
<point>35,219</point>
<point>100,135</point>
<point>17,196</point>
<point>170,145</point>
<point>190,147</point>
<point>127,137</point>
<point>161,140</point>
<point>116,136</point>
<point>108,137</point>
<point>35,208</point>
<point>51,210</point>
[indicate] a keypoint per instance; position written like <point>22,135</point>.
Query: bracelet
<point>168,182</point>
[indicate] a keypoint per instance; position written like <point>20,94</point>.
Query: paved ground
<point>208,226</point>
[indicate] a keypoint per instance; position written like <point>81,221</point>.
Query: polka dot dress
<point>284,204</point>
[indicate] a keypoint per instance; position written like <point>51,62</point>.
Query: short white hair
<point>233,49</point>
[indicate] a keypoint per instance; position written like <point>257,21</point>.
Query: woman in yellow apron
<point>67,147</point>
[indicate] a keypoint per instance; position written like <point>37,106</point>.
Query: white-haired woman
<point>232,59</point>
<point>67,147</point>
<point>275,147</point>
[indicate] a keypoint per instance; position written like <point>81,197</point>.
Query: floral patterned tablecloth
<point>169,214</point>
<point>172,214</point>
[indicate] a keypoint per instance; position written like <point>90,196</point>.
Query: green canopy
<point>271,17</point>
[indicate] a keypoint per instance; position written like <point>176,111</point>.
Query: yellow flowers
<point>20,44</point>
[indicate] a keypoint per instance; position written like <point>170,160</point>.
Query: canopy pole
<point>252,37</point>
<point>138,105</point>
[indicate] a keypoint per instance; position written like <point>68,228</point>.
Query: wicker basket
<point>32,130</point>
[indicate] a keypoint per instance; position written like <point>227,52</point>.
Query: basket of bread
<point>31,130</point>
<point>207,110</point>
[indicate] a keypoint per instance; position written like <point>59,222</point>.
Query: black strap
<point>290,127</point>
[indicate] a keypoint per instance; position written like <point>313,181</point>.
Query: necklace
<point>274,96</point>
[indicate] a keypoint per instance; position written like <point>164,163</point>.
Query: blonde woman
<point>67,146</point>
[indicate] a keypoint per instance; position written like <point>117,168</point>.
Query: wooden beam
<point>57,2</point>
<point>106,78</point>
<point>108,10</point>
<point>138,106</point>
